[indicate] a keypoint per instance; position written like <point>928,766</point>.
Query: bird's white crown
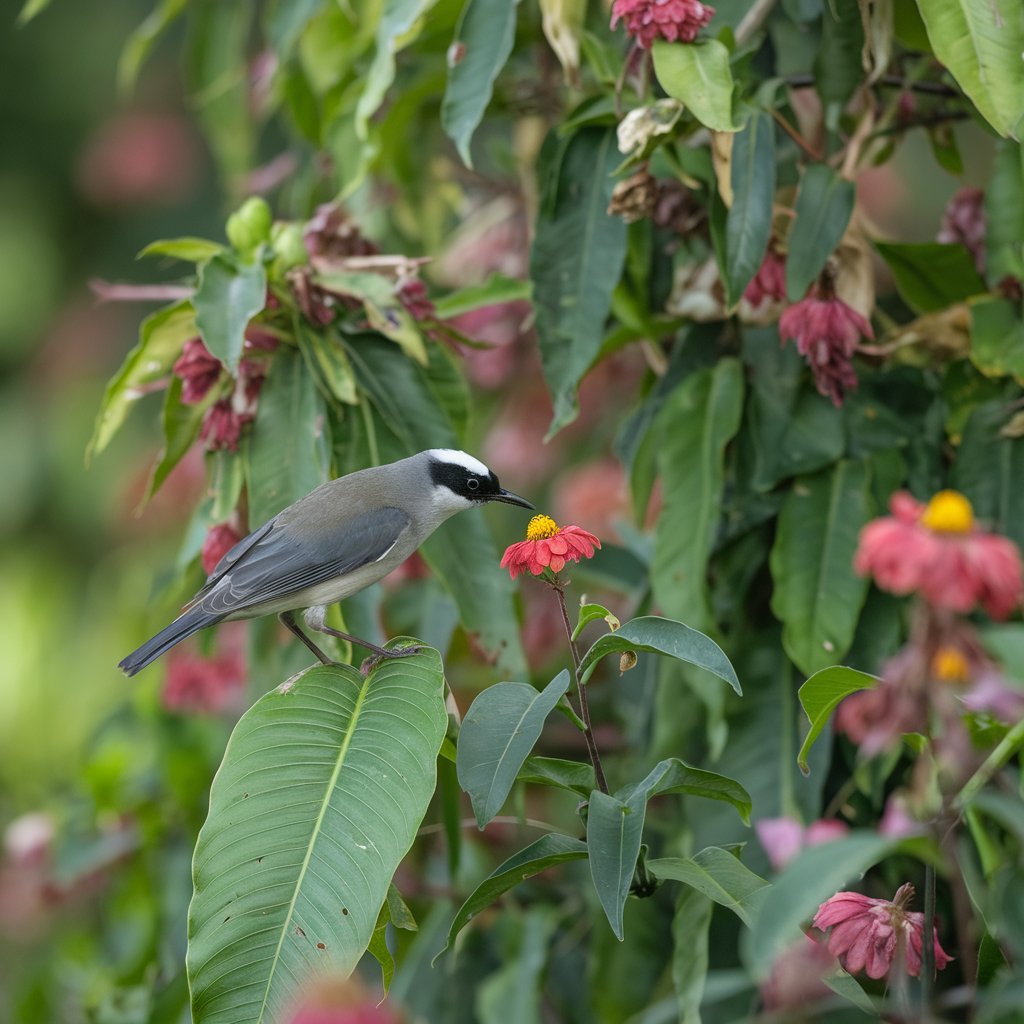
<point>459,458</point>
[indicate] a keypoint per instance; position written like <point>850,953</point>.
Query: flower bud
<point>249,226</point>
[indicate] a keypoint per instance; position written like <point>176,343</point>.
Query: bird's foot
<point>369,664</point>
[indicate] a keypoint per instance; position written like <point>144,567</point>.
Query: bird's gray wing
<point>276,564</point>
<point>230,557</point>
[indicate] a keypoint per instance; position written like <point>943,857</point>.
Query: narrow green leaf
<point>817,594</point>
<point>981,45</point>
<point>284,22</point>
<point>694,427</point>
<point>574,776</point>
<point>304,897</point>
<point>326,359</point>
<point>592,613</point>
<point>931,276</point>
<point>139,44</point>
<point>662,636</point>
<point>483,41</point>
<point>192,250</point>
<point>675,776</point>
<point>577,259</point>
<point>698,75</point>
<point>287,451</point>
<point>31,9</point>
<point>229,295</point>
<point>181,425</point>
<point>540,855</point>
<point>690,926</point>
<point>814,875</point>
<point>823,207</point>
<point>614,830</point>
<point>719,876</point>
<point>378,947</point>
<point>497,735</point>
<point>821,695</point>
<point>1004,213</point>
<point>748,227</point>
<point>496,290</point>
<point>838,67</point>
<point>161,337</point>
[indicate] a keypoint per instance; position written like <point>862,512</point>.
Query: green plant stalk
<point>928,942</point>
<point>1004,750</point>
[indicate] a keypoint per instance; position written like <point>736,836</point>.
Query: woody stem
<point>581,690</point>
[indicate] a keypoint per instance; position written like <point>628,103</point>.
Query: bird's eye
<point>473,484</point>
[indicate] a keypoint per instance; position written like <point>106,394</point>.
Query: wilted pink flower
<point>770,280</point>
<point>826,331</point>
<point>222,427</point>
<point>412,293</point>
<point>991,692</point>
<point>797,976</point>
<point>220,539</point>
<point>938,551</point>
<point>331,235</point>
<point>674,20</point>
<point>964,222</point>
<point>197,685</point>
<point>783,838</point>
<point>198,370</point>
<point>870,935</point>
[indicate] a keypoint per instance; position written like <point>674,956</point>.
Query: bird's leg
<point>288,619</point>
<point>379,652</point>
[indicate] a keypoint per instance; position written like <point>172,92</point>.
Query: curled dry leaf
<point>627,661</point>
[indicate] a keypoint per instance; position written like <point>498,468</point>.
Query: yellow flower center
<point>950,666</point>
<point>949,512</point>
<point>542,527</point>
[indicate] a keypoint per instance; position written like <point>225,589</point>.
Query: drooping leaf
<point>344,766</point>
<point>662,636</point>
<point>823,207</point>
<point>719,876</point>
<point>140,43</point>
<point>817,595</point>
<point>821,695</point>
<point>229,295</point>
<point>749,224</point>
<point>814,875</point>
<point>284,21</point>
<point>540,855</point>
<point>574,776</point>
<point>496,290</point>
<point>614,830</point>
<point>482,44</point>
<point>191,250</point>
<point>690,927</point>
<point>694,427</point>
<point>593,613</point>
<point>378,947</point>
<point>161,337</point>
<point>675,776</point>
<point>981,45</point>
<point>325,358</point>
<point>699,76</point>
<point>287,451</point>
<point>499,731</point>
<point>577,258</point>
<point>931,276</point>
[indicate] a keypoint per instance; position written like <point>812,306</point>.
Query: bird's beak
<point>511,499</point>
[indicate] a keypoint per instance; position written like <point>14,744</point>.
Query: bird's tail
<point>189,622</point>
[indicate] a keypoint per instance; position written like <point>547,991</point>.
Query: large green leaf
<point>931,276</point>
<point>1004,213</point>
<point>662,636</point>
<point>540,855</point>
<point>817,595</point>
<point>574,776</point>
<point>287,452</point>
<point>229,295</point>
<point>717,874</point>
<point>161,337</point>
<point>749,224</point>
<point>577,258</point>
<point>483,42</point>
<point>497,735</point>
<point>696,423</point>
<point>698,74</point>
<point>981,45</point>
<point>614,830</point>
<point>323,786</point>
<point>823,207</point>
<point>814,875</point>
<point>690,927</point>
<point>821,695</point>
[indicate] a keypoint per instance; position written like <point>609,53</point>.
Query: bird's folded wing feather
<point>276,564</point>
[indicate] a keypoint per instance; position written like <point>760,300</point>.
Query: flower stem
<point>581,690</point>
<point>928,942</point>
<point>1006,748</point>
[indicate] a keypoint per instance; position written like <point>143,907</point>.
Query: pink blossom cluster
<point>678,21</point>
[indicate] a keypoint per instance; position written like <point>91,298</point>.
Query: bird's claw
<point>369,664</point>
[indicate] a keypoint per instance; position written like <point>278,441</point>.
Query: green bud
<point>289,248</point>
<point>249,226</point>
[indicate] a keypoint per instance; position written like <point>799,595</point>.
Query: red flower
<point>412,293</point>
<point>770,280</point>
<point>964,222</point>
<point>548,546</point>
<point>219,541</point>
<point>784,838</point>
<point>198,371</point>
<point>195,684</point>
<point>870,935</point>
<point>674,20</point>
<point>938,551</point>
<point>222,426</point>
<point>826,331</point>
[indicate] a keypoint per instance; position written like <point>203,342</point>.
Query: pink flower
<point>797,976</point>
<point>674,20</point>
<point>826,331</point>
<point>198,685</point>
<point>783,838</point>
<point>548,546</point>
<point>897,822</point>
<point>937,550</point>
<point>220,539</point>
<point>964,222</point>
<point>222,427</point>
<point>198,370</point>
<point>870,935</point>
<point>412,293</point>
<point>770,280</point>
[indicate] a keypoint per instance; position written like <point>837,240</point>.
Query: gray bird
<point>334,542</point>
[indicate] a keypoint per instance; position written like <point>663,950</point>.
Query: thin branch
<point>753,20</point>
<point>796,136</point>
